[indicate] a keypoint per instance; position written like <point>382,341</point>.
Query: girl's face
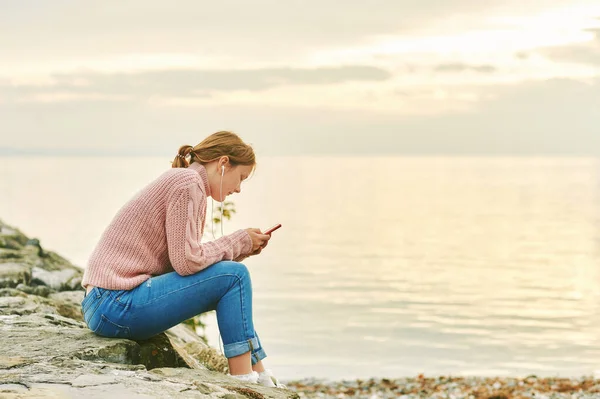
<point>232,181</point>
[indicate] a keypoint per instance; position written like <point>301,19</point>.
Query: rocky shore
<point>46,351</point>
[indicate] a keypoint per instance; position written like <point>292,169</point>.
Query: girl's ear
<point>223,161</point>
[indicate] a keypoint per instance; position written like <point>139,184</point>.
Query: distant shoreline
<point>15,152</point>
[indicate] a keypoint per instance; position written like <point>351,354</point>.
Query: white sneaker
<point>251,378</point>
<point>267,379</point>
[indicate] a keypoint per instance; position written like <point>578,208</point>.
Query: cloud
<point>32,30</point>
<point>546,117</point>
<point>584,53</point>
<point>457,67</point>
<point>194,83</point>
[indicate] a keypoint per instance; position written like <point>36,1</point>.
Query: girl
<point>149,272</point>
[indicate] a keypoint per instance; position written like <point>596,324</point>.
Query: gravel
<point>450,388</point>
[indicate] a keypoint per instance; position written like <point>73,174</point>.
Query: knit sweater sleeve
<point>184,228</point>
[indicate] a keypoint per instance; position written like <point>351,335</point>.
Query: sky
<point>514,77</point>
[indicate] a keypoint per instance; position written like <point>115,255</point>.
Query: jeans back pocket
<point>110,329</point>
<point>90,305</point>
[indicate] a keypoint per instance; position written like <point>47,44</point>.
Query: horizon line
<point>15,152</point>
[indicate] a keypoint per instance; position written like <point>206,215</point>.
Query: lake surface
<point>384,266</point>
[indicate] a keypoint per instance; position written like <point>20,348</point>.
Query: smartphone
<point>272,229</point>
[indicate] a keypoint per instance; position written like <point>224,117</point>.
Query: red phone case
<point>272,229</point>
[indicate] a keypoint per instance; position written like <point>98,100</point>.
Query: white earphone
<point>213,228</point>
<point>212,206</point>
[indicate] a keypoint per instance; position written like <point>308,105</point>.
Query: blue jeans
<point>164,301</point>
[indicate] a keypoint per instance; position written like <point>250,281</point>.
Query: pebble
<point>447,387</point>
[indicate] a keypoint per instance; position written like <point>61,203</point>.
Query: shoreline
<point>450,387</point>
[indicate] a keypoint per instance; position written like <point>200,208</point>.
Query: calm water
<point>384,266</point>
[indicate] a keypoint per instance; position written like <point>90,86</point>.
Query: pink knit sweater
<point>158,231</point>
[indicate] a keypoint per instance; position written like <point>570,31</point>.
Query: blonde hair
<point>215,146</point>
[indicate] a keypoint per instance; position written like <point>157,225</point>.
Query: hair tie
<point>180,156</point>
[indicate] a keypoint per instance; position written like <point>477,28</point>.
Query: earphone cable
<point>222,202</point>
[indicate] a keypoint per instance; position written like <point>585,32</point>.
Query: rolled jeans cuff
<point>241,347</point>
<point>257,356</point>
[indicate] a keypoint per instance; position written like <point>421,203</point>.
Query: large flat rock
<point>49,355</point>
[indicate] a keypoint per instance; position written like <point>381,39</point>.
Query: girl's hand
<point>257,250</point>
<point>259,240</point>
